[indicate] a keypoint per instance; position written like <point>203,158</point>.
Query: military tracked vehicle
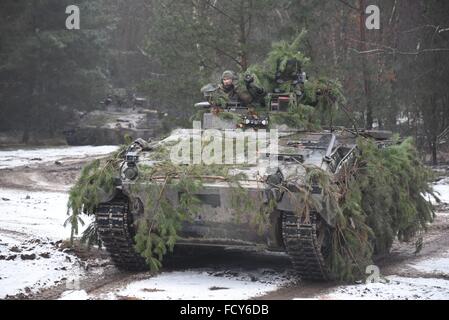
<point>304,239</point>
<point>121,115</point>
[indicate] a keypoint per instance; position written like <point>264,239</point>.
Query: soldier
<point>230,91</point>
<point>291,79</point>
<point>227,85</point>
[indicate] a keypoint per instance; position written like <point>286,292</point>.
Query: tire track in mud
<point>17,235</point>
<point>88,283</point>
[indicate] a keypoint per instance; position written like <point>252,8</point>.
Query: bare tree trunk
<point>434,151</point>
<point>366,83</point>
<point>243,40</point>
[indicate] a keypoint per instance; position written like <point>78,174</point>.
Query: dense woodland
<point>394,78</point>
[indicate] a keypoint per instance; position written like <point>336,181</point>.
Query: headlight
<point>130,173</point>
<point>264,122</point>
<point>247,121</point>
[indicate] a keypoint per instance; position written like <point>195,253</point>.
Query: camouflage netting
<point>382,197</point>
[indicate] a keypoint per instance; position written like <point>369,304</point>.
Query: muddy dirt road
<point>36,263</point>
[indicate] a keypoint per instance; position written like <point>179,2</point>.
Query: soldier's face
<point>227,81</point>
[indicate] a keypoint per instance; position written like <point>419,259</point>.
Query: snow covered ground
<point>26,266</point>
<point>438,265</point>
<point>31,224</point>
<point>442,189</point>
<point>397,288</point>
<point>196,284</point>
<point>21,157</point>
<point>74,295</point>
<point>434,286</point>
<point>34,214</point>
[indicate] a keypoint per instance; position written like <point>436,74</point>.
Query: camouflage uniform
<point>291,79</point>
<point>249,94</point>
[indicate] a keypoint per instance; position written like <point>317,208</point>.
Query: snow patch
<point>36,266</point>
<point>194,285</point>
<point>74,295</point>
<point>22,157</point>
<point>398,288</point>
<point>40,214</point>
<point>442,189</point>
<point>30,224</point>
<point>434,265</point>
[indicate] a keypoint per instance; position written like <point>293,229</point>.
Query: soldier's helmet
<point>228,74</point>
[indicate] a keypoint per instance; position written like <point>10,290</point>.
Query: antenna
<point>354,123</point>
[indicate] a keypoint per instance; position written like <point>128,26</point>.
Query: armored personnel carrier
<point>272,180</point>
<point>120,115</point>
